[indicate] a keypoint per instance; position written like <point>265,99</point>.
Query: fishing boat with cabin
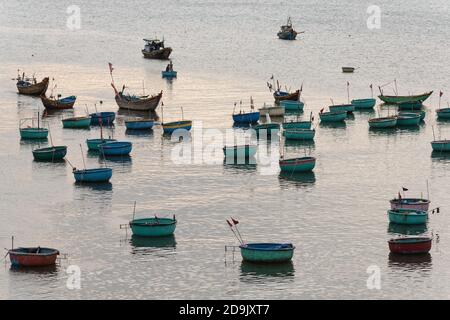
<point>287,32</point>
<point>410,245</point>
<point>155,49</point>
<point>407,216</point>
<point>32,257</point>
<point>30,86</point>
<point>136,102</point>
<point>81,122</point>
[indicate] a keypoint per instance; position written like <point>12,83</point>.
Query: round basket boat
<point>267,252</point>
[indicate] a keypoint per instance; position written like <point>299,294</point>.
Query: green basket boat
<point>153,227</point>
<point>303,164</point>
<point>408,119</point>
<point>290,105</point>
<point>441,145</point>
<point>33,133</point>
<point>408,216</point>
<point>381,123</point>
<point>299,134</point>
<point>297,125</point>
<point>93,144</point>
<point>362,104</point>
<point>55,153</point>
<point>337,116</point>
<point>266,129</point>
<point>267,252</point>
<point>421,113</point>
<point>443,113</point>
<point>77,122</point>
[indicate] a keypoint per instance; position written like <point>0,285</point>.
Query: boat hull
<point>55,153</point>
<point>33,133</point>
<point>267,252</point>
<point>304,164</point>
<point>348,69</point>
<point>407,216</point>
<point>410,245</point>
<point>333,116</point>
<point>139,124</point>
<point>299,134</point>
<point>21,258</point>
<point>247,118</point>
<point>170,127</point>
<point>287,35</point>
<point>410,203</point>
<point>115,148</point>
<point>34,89</point>
<point>382,123</point>
<point>342,107</point>
<point>93,144</point>
<point>442,146</point>
<point>404,99</point>
<point>76,123</point>
<point>169,74</point>
<point>290,105</point>
<point>364,103</point>
<point>153,227</point>
<point>421,114</point>
<point>408,120</point>
<point>161,54</point>
<point>443,113</point>
<point>93,175</point>
<point>297,125</point>
<point>410,105</point>
<point>294,96</point>
<point>246,151</point>
<point>58,104</point>
<point>106,118</point>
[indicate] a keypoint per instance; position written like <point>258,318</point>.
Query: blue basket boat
<point>342,107</point>
<point>248,118</point>
<point>266,129</point>
<point>267,252</point>
<point>141,124</point>
<point>153,227</point>
<point>107,118</point>
<point>115,148</point>
<point>408,216</point>
<point>364,103</point>
<point>93,144</point>
<point>93,175</point>
<point>169,74</point>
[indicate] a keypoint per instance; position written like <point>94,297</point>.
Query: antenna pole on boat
<point>332,101</point>
<point>182,113</point>
<point>434,137</point>
<point>162,113</point>
<point>82,156</point>
<point>143,88</point>
<point>428,191</point>
<point>12,242</point>
<point>371,90</point>
<point>395,83</point>
<point>50,134</point>
<point>348,92</point>
<point>234,232</point>
<point>134,209</point>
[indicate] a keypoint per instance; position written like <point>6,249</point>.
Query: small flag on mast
<point>440,94</point>
<point>404,189</point>
<point>229,223</point>
<point>234,221</point>
<point>110,67</point>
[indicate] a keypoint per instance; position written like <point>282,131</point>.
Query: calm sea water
<point>225,51</point>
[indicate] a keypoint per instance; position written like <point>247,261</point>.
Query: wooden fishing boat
<point>92,175</point>
<point>337,116</point>
<point>441,145</point>
<point>290,105</point>
<point>410,245</point>
<point>93,144</point>
<point>115,148</point>
<point>77,122</point>
<point>267,252</point>
<point>408,119</point>
<point>106,118</point>
<point>246,118</point>
<point>349,108</point>
<point>362,104</point>
<point>299,134</point>
<point>348,69</point>
<point>153,227</point>
<point>170,127</point>
<point>33,257</point>
<point>410,203</point>
<point>31,86</point>
<point>54,153</point>
<point>410,105</point>
<point>443,113</point>
<point>273,111</point>
<point>283,95</point>
<point>243,151</point>
<point>139,124</point>
<point>384,122</point>
<point>154,49</point>
<point>287,32</point>
<point>303,164</point>
<point>421,114</point>
<point>407,216</point>
<point>52,103</point>
<point>169,74</point>
<point>137,103</point>
<point>399,99</point>
<point>297,125</point>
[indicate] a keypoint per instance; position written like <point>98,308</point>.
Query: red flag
<point>321,110</point>
<point>234,221</point>
<point>110,67</point>
<point>440,94</point>
<point>229,223</point>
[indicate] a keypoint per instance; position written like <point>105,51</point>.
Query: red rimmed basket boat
<point>410,245</point>
<point>33,257</point>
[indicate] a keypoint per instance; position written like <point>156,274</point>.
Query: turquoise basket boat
<point>408,119</point>
<point>170,127</point>
<point>115,148</point>
<point>292,105</point>
<point>153,227</point>
<point>141,124</point>
<point>299,134</point>
<point>303,164</point>
<point>55,153</point>
<point>421,113</point>
<point>337,116</point>
<point>266,129</point>
<point>77,122</point>
<point>244,151</point>
<point>106,118</point>
<point>408,216</point>
<point>33,133</point>
<point>93,144</point>
<point>342,107</point>
<point>267,252</point>
<point>381,123</point>
<point>297,125</point>
<point>364,103</point>
<point>441,145</point>
<point>169,74</point>
<point>443,113</point>
<point>93,175</point>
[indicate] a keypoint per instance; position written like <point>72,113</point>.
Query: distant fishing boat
<point>267,252</point>
<point>106,118</point>
<point>407,216</point>
<point>153,227</point>
<point>283,95</point>
<point>443,113</point>
<point>115,148</point>
<point>441,145</point>
<point>337,116</point>
<point>54,153</point>
<point>92,175</point>
<point>32,132</point>
<point>410,245</point>
<point>383,122</point>
<point>290,105</point>
<point>139,124</point>
<point>302,164</point>
<point>169,72</point>
<point>287,32</point>
<point>363,104</point>
<point>33,257</point>
<point>299,134</point>
<point>342,107</point>
<point>410,203</point>
<point>155,49</point>
<point>52,103</point>
<point>408,119</point>
<point>77,122</point>
<point>405,99</point>
<point>273,111</point>
<point>170,127</point>
<point>30,86</point>
<point>134,102</point>
<point>240,151</point>
<point>348,69</point>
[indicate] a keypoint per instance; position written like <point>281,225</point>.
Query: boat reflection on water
<point>440,156</point>
<point>125,160</point>
<point>299,179</point>
<point>51,270</point>
<point>95,186</point>
<point>139,133</point>
<point>411,262</point>
<point>382,131</point>
<point>153,245</point>
<point>142,114</point>
<point>403,229</point>
<point>257,272</point>
<point>310,144</point>
<point>239,165</point>
<point>333,125</point>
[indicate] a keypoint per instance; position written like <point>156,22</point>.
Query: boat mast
<point>82,157</point>
<point>348,92</point>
